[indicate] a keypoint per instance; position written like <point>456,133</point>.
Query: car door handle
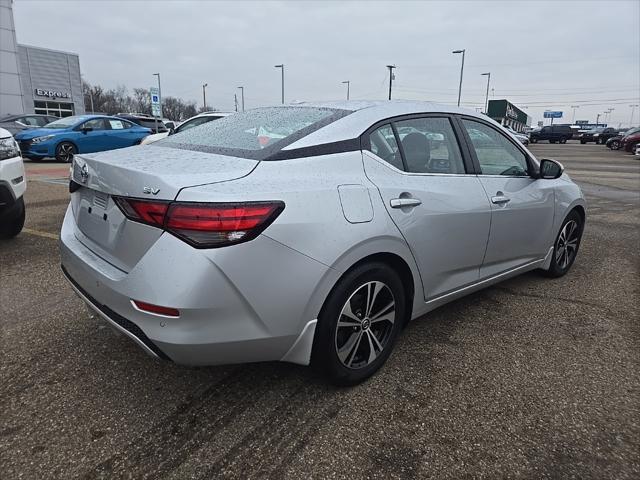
<point>404,202</point>
<point>499,199</point>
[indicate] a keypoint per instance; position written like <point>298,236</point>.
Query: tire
<point>614,145</point>
<point>13,225</point>
<point>350,343</point>
<point>599,141</point>
<point>533,140</point>
<point>582,142</point>
<point>552,141</point>
<point>65,152</point>
<point>570,234</point>
<point>563,140</point>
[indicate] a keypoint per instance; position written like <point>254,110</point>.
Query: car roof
<point>365,113</point>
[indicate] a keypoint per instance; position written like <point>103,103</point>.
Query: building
<point>506,113</point>
<point>35,79</point>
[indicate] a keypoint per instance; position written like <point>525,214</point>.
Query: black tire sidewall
<point>324,356</point>
<point>12,226</point>
<point>554,269</point>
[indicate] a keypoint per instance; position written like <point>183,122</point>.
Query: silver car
<point>310,233</point>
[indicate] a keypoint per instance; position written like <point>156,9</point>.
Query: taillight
<point>204,225</point>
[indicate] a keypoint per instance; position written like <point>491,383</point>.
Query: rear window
<point>255,134</point>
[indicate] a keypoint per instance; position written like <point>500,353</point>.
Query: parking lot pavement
<point>532,378</point>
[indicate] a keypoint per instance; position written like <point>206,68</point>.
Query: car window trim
<point>365,140</point>
<point>377,158</point>
<point>531,165</point>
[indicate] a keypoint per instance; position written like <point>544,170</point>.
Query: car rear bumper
<point>233,308</point>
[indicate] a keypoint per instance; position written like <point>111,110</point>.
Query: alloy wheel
<point>567,244</point>
<point>365,325</point>
<point>66,152</point>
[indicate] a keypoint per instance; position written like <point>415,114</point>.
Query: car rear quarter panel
<point>313,223</point>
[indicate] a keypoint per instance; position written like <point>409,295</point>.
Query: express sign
<point>41,92</point>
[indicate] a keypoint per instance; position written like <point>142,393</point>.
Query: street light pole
<point>348,82</point>
<point>486,100</point>
<point>242,97</point>
<point>573,118</point>
<point>461,72</point>
<point>598,119</point>
<point>633,108</point>
<point>282,67</point>
<point>390,67</point>
<point>204,97</point>
<point>159,98</point>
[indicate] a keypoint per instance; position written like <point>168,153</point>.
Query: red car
<point>629,142</point>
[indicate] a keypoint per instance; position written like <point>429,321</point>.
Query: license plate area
<point>99,218</point>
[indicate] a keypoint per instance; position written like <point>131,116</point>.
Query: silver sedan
<point>310,233</point>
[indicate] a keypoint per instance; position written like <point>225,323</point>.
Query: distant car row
<point>629,141</point>
<point>43,136</point>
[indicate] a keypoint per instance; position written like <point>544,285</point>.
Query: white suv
<point>12,186</point>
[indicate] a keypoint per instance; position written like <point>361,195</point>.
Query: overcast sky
<point>542,55</point>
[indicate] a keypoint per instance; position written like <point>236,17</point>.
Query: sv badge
<point>150,190</point>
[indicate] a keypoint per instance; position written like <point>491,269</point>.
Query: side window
<point>383,144</point>
<point>96,124</point>
<point>496,154</point>
<point>430,145</point>
<point>194,123</point>
<point>31,121</point>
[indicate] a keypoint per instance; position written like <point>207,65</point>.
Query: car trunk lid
<point>146,172</point>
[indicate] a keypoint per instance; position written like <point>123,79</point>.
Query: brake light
<point>204,225</point>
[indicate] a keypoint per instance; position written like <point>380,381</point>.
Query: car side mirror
<point>86,129</point>
<point>170,125</point>
<point>550,169</point>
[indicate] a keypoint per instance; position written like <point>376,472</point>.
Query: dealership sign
<point>41,92</point>
<point>549,114</point>
<point>511,112</point>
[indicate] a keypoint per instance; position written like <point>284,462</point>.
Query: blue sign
<point>549,114</point>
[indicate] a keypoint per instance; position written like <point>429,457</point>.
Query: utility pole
<point>348,82</point>
<point>461,73</point>
<point>598,119</point>
<point>391,77</point>
<point>282,67</point>
<point>204,96</point>
<point>633,108</point>
<point>242,97</point>
<point>160,98</point>
<point>573,118</point>
<point>235,100</point>
<point>608,114</point>
<point>486,100</point>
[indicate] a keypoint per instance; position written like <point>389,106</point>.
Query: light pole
<point>461,72</point>
<point>598,119</point>
<point>348,82</point>
<point>159,99</point>
<point>390,67</point>
<point>242,97</point>
<point>608,112</point>
<point>573,118</point>
<point>282,67</point>
<point>204,96</point>
<point>633,108</point>
<point>486,100</point>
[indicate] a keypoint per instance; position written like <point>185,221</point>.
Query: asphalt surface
<point>533,378</point>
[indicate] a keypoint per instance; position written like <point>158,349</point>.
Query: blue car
<point>79,134</point>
